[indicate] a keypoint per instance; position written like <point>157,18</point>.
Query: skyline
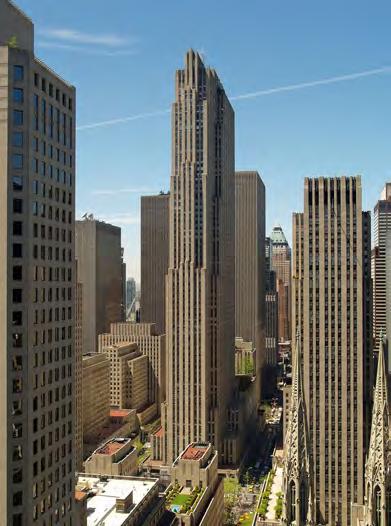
<point>274,47</point>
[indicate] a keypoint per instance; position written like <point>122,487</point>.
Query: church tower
<point>378,466</point>
<point>298,506</point>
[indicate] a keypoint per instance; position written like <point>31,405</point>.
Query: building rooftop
<point>120,413</point>
<point>112,446</point>
<point>277,236</point>
<point>102,494</point>
<point>195,451</point>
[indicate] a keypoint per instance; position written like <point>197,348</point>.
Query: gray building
<point>130,296</point>
<point>332,312</point>
<point>154,259</point>
<point>381,227</point>
<point>388,299</point>
<point>100,271</point>
<point>37,282</point>
<point>250,265</point>
<point>200,292</point>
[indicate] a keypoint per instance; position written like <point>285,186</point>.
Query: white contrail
<point>252,95</point>
<point>123,119</point>
<point>311,84</point>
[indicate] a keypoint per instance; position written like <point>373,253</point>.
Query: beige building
<point>128,376</point>
<point>382,227</point>
<point>37,362</point>
<point>117,457</point>
<point>200,286</point>
<point>281,264</point>
<point>250,265</point>
<point>95,393</point>
<point>154,259</point>
<point>100,271</point>
<point>331,309</point>
<point>194,475</point>
<point>152,345</point>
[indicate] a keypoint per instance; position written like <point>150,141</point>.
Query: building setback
<point>95,393</point>
<point>331,307</point>
<point>154,259</point>
<point>250,265</point>
<point>382,226</point>
<point>100,271</point>
<point>37,362</point>
<point>200,287</point>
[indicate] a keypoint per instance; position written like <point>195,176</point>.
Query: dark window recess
<point>18,73</point>
<point>17,250</point>
<point>17,228</point>
<point>17,295</point>
<point>17,272</point>
<point>17,183</point>
<point>17,318</point>
<point>18,206</point>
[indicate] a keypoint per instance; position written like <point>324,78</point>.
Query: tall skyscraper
<point>271,323</point>
<point>250,265</point>
<point>281,264</point>
<point>382,225</point>
<point>154,259</point>
<point>388,299</point>
<point>100,271</point>
<point>200,290</point>
<point>332,310</point>
<point>37,159</point>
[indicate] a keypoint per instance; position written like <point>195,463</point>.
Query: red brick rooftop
<point>116,413</point>
<point>194,452</point>
<point>111,447</point>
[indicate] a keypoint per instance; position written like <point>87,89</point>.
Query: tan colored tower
<point>200,292</point>
<point>250,265</point>
<point>154,259</point>
<point>331,305</point>
<point>281,264</point>
<point>100,271</point>
<point>37,276</point>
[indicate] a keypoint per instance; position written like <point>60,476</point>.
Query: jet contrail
<point>311,84</point>
<point>251,95</point>
<point>123,119</point>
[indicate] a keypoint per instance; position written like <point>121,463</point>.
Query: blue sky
<point>122,55</point>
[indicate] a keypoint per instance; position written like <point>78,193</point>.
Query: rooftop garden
<point>264,504</point>
<point>182,500</point>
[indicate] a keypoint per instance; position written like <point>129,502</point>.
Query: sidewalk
<point>276,488</point>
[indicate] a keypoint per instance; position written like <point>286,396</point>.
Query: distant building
<point>388,300</point>
<point>37,282</point>
<point>154,259</point>
<point>128,376</point>
<point>382,226</point>
<point>100,271</point>
<point>281,264</point>
<point>250,266</point>
<point>130,296</point>
<point>152,344</point>
<point>117,457</point>
<point>78,403</point>
<point>196,494</point>
<point>118,501</point>
<point>95,393</point>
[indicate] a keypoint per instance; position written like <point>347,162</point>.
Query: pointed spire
<point>297,381</point>
<point>381,391</point>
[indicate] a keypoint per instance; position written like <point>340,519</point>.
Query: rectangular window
<point>17,273</point>
<point>17,95</point>
<point>17,250</point>
<point>17,183</point>
<point>17,228</point>
<point>17,161</point>
<point>17,318</point>
<point>17,139</point>
<point>18,117</point>
<point>18,73</point>
<point>18,206</point>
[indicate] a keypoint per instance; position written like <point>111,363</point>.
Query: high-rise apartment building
<point>37,196</point>
<point>332,310</point>
<point>100,271</point>
<point>281,264</point>
<point>250,265</point>
<point>200,287</point>
<point>382,225</point>
<point>154,259</point>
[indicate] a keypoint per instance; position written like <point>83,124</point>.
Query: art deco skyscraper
<point>331,308</point>
<point>37,276</point>
<point>250,265</point>
<point>200,292</point>
<point>382,225</point>
<point>281,264</point>
<point>154,259</point>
